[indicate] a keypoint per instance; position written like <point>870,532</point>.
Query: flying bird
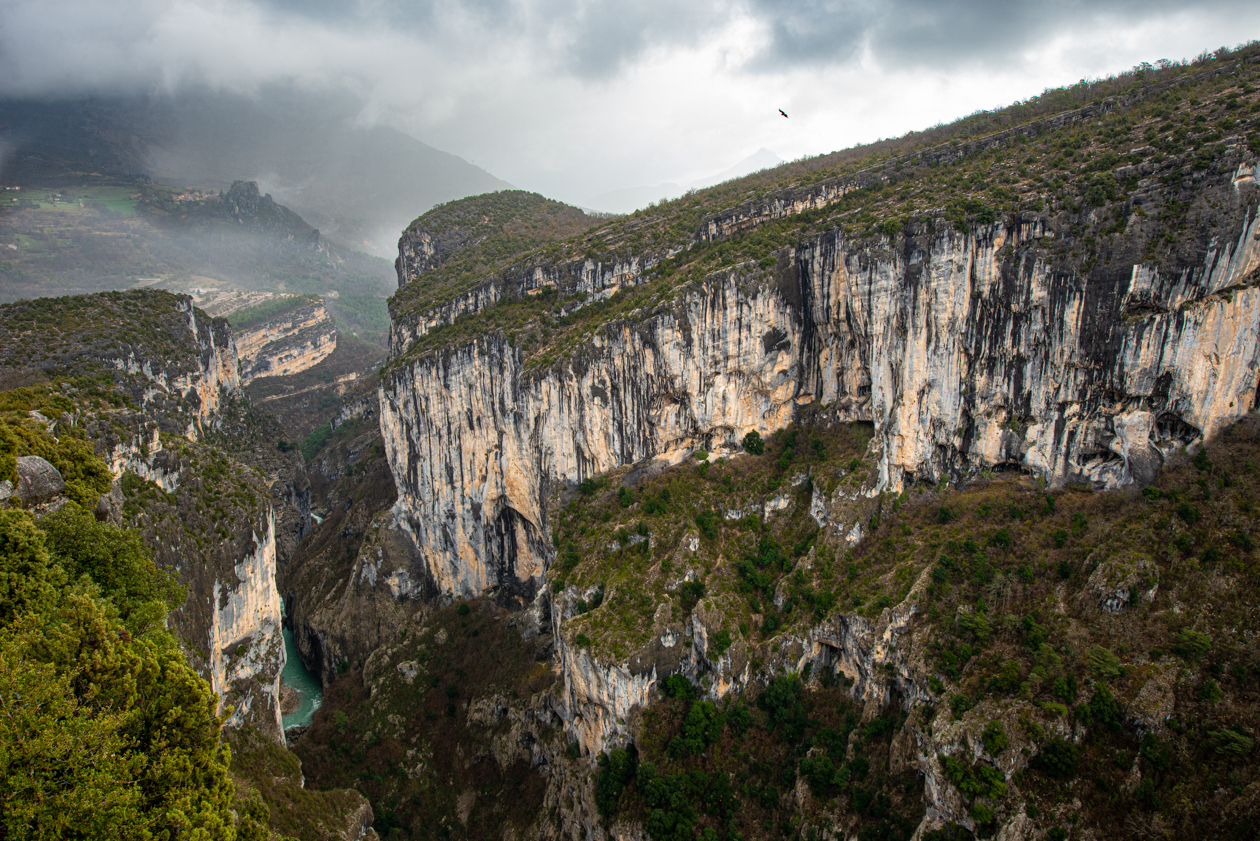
<point>784,113</point>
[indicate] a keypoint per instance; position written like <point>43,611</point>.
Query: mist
<point>571,99</point>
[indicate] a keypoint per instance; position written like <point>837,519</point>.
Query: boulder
<point>38,481</point>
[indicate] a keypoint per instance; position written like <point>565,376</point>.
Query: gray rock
<point>6,490</point>
<point>37,480</point>
<point>110,505</point>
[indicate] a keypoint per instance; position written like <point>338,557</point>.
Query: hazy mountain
<point>361,186</point>
<point>763,158</point>
<point>630,199</point>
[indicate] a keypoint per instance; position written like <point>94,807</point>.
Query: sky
<point>574,98</point>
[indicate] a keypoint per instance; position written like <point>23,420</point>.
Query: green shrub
<point>1210,692</point>
<point>316,441</point>
<point>1155,752</point>
<point>616,769</point>
<point>994,738</point>
<point>719,643</point>
<point>1192,645</point>
<point>690,593</point>
<point>701,728</point>
<point>1104,664</point>
<point>1059,758</point>
<point>677,687</point>
<point>785,710</point>
<point>1189,513</point>
<point>754,444</point>
<point>708,522</point>
<point>1231,741</point>
<point>1105,710</point>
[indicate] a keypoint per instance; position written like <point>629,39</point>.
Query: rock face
<point>287,344</point>
<point>968,352</point>
<point>38,481</point>
<point>246,645</point>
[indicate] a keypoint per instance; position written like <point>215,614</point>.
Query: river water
<point>307,685</point>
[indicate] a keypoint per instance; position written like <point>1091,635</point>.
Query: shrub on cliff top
<point>105,730</point>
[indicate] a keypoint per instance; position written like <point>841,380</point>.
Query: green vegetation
<point>706,771</point>
<point>316,441</point>
<point>476,236</point>
<point>636,544</point>
<point>105,730</point>
<point>84,328</point>
<point>1009,582</point>
<point>244,319</point>
<point>127,233</point>
<point>374,719</point>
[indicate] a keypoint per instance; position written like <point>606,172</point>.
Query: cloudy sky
<point>578,97</point>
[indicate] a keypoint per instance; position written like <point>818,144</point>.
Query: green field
<point>121,199</point>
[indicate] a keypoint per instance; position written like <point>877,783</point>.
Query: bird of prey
<point>784,113</point>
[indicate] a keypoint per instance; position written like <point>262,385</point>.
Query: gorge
<point>906,493</point>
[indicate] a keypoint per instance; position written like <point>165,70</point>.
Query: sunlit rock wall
<point>288,344</point>
<point>967,352</point>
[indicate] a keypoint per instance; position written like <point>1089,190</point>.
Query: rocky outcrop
<point>967,352</point>
<point>38,481</point>
<point>288,343</point>
<point>176,435</point>
<point>188,388</point>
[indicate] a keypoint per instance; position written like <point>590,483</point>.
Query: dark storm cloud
<point>591,39</point>
<point>938,33</point>
<point>85,45</point>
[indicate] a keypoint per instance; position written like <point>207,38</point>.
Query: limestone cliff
<point>1081,313</point>
<point>287,343</point>
<point>967,351</point>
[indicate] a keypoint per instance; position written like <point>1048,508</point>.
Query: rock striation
<point>968,352</point>
<point>288,343</point>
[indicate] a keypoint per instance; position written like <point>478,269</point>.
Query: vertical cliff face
<point>476,440</point>
<point>967,352</point>
<point>289,343</point>
<point>246,645</point>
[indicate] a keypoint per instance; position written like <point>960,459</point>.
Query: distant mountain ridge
<point>361,186</point>
<point>630,199</point>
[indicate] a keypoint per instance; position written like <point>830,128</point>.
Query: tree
<point>105,729</point>
<point>62,765</point>
<point>28,580</point>
<point>754,444</point>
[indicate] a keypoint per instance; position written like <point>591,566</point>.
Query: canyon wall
<point>286,344</point>
<point>968,352</point>
<point>224,551</point>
